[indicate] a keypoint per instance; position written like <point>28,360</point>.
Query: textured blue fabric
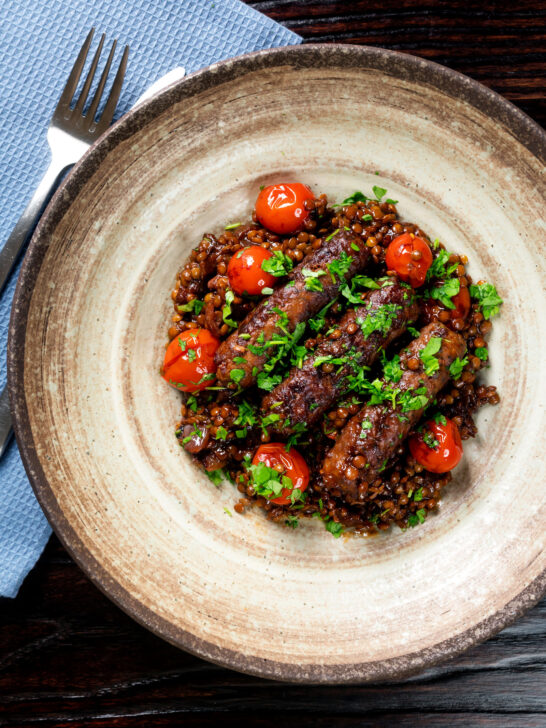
<point>38,45</point>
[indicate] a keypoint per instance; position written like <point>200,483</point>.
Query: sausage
<point>293,303</point>
<point>377,430</point>
<point>308,392</point>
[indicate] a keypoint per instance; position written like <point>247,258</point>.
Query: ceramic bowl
<point>94,420</point>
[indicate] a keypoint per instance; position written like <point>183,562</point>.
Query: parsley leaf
<point>417,518</point>
<point>221,433</point>
<point>430,362</point>
<point>446,291</point>
<point>440,268</point>
<point>226,310</point>
<point>312,282</point>
<point>216,476</point>
<point>355,197</point>
<point>195,306</point>
<point>236,375</point>
<point>233,226</point>
<point>457,366</point>
<point>268,382</point>
<point>340,266</point>
<point>378,320</point>
<point>279,265</point>
<point>317,323</point>
<point>292,521</point>
<point>392,371</point>
<point>489,301</point>
<point>335,528</point>
<point>379,192</point>
<point>482,353</point>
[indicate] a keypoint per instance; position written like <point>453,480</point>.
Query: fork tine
<point>106,116</point>
<point>89,80</point>
<point>72,83</point>
<point>100,88</point>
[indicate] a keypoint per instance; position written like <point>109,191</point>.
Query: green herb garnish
<point>430,362</point>
<point>489,301</point>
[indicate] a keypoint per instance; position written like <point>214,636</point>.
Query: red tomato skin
<point>294,464</point>
<point>245,272</point>
<point>280,208</point>
<point>462,304</point>
<point>446,455</point>
<point>179,371</point>
<point>398,258</point>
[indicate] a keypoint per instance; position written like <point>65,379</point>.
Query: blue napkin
<point>38,45</point>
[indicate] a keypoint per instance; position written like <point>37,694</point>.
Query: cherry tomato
<point>189,358</point>
<point>293,463</point>
<point>410,257</point>
<point>462,304</point>
<point>281,209</point>
<point>431,308</point>
<point>245,271</point>
<point>446,450</point>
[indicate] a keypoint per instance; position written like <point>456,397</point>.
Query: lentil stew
<point>328,357</point>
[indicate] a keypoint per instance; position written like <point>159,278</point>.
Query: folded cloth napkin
<point>38,45</point>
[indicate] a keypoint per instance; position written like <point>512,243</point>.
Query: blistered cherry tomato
<point>281,208</point>
<point>410,257</point>
<point>189,360</point>
<point>245,271</point>
<point>293,464</point>
<point>438,447</point>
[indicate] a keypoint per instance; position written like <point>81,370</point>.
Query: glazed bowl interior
<point>95,421</point>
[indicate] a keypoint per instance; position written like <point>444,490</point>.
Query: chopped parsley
<point>237,375</point>
<point>221,433</point>
<point>482,353</point>
<point>317,323</point>
<point>233,226</point>
<point>216,476</point>
<point>355,247</point>
<point>439,418</point>
<point>417,518</point>
<point>446,291</point>
<point>379,320</point>
<point>440,267</point>
<point>392,371</point>
<point>430,441</point>
<point>291,521</point>
<point>418,495</point>
<point>226,310</point>
<point>196,432</point>
<point>279,265</point>
<point>335,528</point>
<point>366,425</point>
<point>194,306</point>
<point>413,331</point>
<point>267,381</point>
<point>267,291</point>
<point>183,344</point>
<point>327,240</point>
<point>489,301</point>
<point>430,362</point>
<point>457,366</point>
<point>355,197</point>
<point>269,483</point>
<point>312,282</point>
<point>340,266</point>
<point>192,355</point>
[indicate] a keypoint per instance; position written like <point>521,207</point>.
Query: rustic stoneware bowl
<point>94,420</point>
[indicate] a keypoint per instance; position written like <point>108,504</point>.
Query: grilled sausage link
<point>369,440</point>
<point>288,306</point>
<point>308,392</point>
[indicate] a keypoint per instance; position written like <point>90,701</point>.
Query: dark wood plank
<point>68,657</point>
<point>500,44</point>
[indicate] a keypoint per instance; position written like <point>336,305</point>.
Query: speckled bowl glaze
<point>94,420</point>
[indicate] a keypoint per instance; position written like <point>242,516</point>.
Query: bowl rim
<point>425,72</point>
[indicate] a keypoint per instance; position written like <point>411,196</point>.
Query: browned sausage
<point>308,392</point>
<point>287,306</point>
<point>374,433</point>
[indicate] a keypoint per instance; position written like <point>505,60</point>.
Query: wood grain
<point>68,657</point>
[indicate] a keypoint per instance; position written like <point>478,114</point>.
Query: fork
<point>70,134</point>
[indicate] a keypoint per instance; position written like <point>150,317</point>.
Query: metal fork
<point>70,134</point>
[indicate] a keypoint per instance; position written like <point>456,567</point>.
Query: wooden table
<point>68,657</point>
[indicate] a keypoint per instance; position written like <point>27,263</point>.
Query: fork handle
<point>20,233</point>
